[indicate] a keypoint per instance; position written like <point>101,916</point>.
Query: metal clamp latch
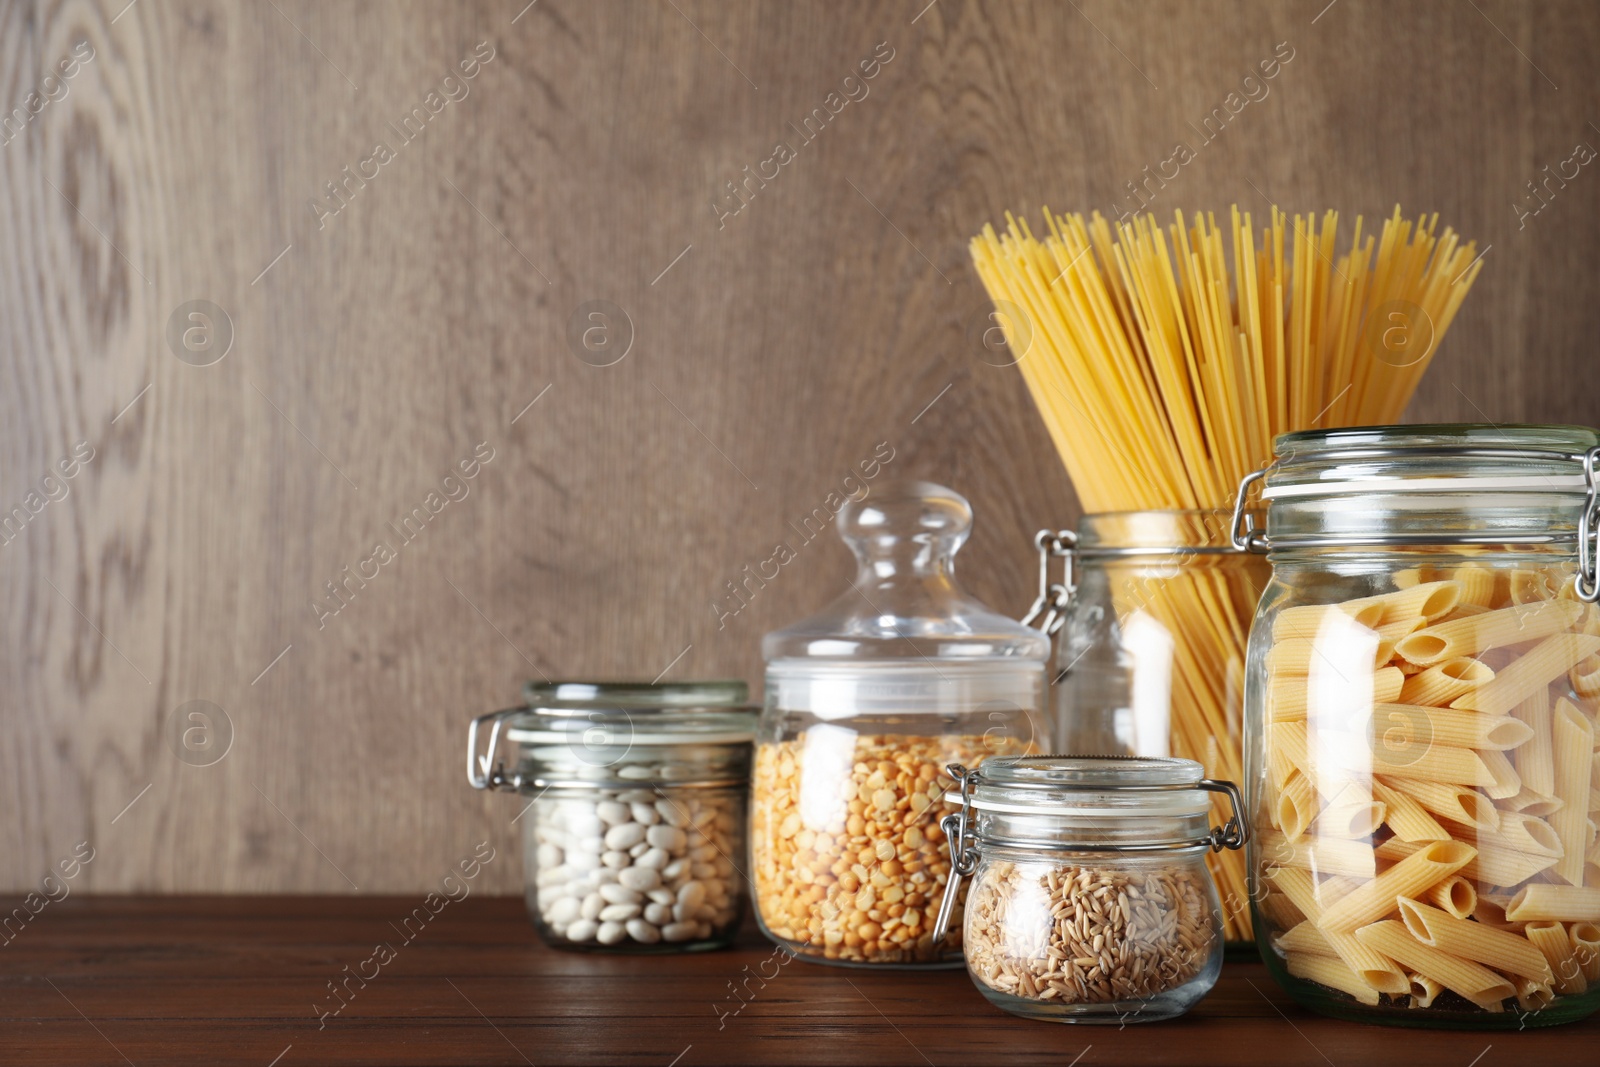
<point>1242,530</point>
<point>957,827</point>
<point>1236,831</point>
<point>479,771</point>
<point>1587,584</point>
<point>1053,596</point>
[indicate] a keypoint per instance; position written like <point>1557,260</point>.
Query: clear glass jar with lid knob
<point>866,703</point>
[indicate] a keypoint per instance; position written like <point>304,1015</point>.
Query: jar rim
<point>1094,789</point>
<point>634,713</point>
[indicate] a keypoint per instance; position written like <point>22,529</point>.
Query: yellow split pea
<point>857,873</point>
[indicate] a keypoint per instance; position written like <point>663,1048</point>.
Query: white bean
<point>549,856</point>
<point>662,896</point>
<point>691,895</point>
<point>624,836</point>
<point>619,912</point>
<point>619,894</point>
<point>655,859</point>
<point>672,813</point>
<point>612,813</point>
<point>582,930</point>
<point>610,933</point>
<point>668,837</point>
<point>645,814</point>
<point>641,878</point>
<point>679,931</point>
<point>618,860</point>
<point>643,932</point>
<point>658,914</point>
<point>563,910</point>
<point>593,905</point>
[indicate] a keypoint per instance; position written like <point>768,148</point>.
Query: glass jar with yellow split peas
<point>867,703</point>
<point>1422,683</point>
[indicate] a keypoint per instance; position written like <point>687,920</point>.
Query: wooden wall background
<point>374,349</point>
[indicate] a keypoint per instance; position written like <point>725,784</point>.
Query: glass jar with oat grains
<point>866,704</point>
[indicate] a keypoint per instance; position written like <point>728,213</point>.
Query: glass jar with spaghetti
<point>866,703</point>
<point>1154,609</point>
<point>1422,686</point>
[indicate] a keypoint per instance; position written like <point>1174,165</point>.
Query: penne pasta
<point>1499,949</point>
<point>1585,677</point>
<point>1491,866</point>
<point>1586,948</point>
<point>1412,876</point>
<point>1455,896</point>
<point>1296,806</point>
<point>1454,802</point>
<point>1288,696</point>
<point>1367,965</point>
<point>1535,760</point>
<point>1322,855</point>
<point>1520,832</point>
<point>1531,995</point>
<point>1573,741</point>
<point>1306,621</point>
<point>1296,656</point>
<point>1304,937</point>
<point>1435,821</point>
<point>1543,901</point>
<point>1506,782</point>
<point>1332,972</point>
<point>1443,682</point>
<point>1473,981</point>
<point>1549,659</point>
<point>1476,585</point>
<point>1551,939</point>
<point>1451,726</point>
<point>1492,629</point>
<point>1429,601</point>
<point>1424,990</point>
<point>1530,803</point>
<point>1529,586</point>
<point>1405,816</point>
<point>1394,631</point>
<point>1435,763</point>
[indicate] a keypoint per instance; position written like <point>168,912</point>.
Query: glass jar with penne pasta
<point>1422,686</point>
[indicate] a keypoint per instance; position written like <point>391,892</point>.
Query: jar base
<point>1449,1012</point>
<point>1118,1013</point>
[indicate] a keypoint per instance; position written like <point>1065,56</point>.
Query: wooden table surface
<point>242,980</point>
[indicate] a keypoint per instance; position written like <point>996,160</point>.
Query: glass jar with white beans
<point>1422,685</point>
<point>633,833</point>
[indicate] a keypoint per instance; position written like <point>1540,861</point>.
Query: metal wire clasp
<point>1587,582</point>
<point>1053,596</point>
<point>1235,832</point>
<point>478,764</point>
<point>1242,530</point>
<point>957,827</point>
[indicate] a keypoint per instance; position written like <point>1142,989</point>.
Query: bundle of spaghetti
<point>1163,377</point>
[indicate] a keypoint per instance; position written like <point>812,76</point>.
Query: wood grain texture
<point>185,980</point>
<point>374,348</point>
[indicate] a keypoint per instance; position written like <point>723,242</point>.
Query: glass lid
<point>904,607</point>
<point>1109,787</point>
<point>1442,458</point>
<point>603,715</point>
